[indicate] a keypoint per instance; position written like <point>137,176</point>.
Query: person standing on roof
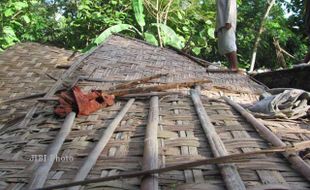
<point>307,25</point>
<point>226,23</point>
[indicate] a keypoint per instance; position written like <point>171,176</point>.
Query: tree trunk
<point>261,29</point>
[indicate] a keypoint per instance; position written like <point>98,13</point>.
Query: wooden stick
<point>23,97</point>
<point>221,71</point>
<point>297,162</point>
<point>147,95</point>
<point>138,81</point>
<point>233,158</point>
<point>95,153</point>
<point>229,172</point>
<point>63,66</point>
<point>48,99</point>
<point>157,88</point>
<point>150,154</point>
<point>40,176</point>
<point>99,79</point>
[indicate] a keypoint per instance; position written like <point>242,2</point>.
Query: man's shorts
<point>226,41</point>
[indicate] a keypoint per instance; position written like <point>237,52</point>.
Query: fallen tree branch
<point>234,158</point>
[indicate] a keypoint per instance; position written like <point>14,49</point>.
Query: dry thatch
<point>28,127</point>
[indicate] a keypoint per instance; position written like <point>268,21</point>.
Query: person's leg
<point>233,60</point>
<point>227,46</point>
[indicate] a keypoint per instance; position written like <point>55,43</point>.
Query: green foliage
<point>183,24</point>
<point>169,36</point>
<point>151,38</point>
<point>113,29</point>
<point>138,10</point>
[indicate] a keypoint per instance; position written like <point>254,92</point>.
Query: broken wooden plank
<point>233,158</point>
<point>96,151</point>
<point>40,175</point>
<point>229,171</point>
<point>297,162</point>
<point>150,154</point>
<point>157,87</point>
<point>137,82</point>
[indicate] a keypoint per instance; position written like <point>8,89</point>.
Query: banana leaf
<point>113,29</point>
<point>138,10</point>
<point>149,37</point>
<point>169,36</point>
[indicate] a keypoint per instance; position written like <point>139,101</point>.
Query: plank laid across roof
<point>180,134</point>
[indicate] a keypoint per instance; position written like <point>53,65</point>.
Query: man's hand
<point>228,26</point>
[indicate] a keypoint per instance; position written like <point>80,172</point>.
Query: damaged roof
<point>145,133</point>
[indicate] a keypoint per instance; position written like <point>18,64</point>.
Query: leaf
<point>138,10</point>
<point>17,23</point>
<point>169,36</point>
<point>20,5</point>
<point>8,12</point>
<point>196,50</point>
<point>150,38</point>
<point>113,29</point>
<point>26,18</point>
<point>179,15</point>
<point>208,22</point>
<point>9,36</point>
<point>211,33</point>
<point>8,31</point>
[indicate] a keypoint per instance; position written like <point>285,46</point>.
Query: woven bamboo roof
<point>153,132</point>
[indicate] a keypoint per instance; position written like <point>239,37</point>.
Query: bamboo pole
<point>40,176</point>
<point>297,162</point>
<point>157,87</point>
<point>150,154</point>
<point>233,158</point>
<point>95,153</point>
<point>23,98</point>
<point>229,172</point>
<point>261,29</point>
<point>138,81</point>
<point>148,95</point>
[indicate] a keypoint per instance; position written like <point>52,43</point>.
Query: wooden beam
<point>297,162</point>
<point>148,95</point>
<point>150,154</point>
<point>233,158</point>
<point>96,151</point>
<point>229,172</point>
<point>85,78</point>
<point>137,82</point>
<point>40,175</point>
<point>157,87</point>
